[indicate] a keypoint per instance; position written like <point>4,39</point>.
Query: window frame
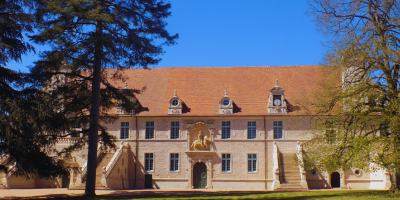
<point>126,131</point>
<point>227,162</point>
<point>149,162</point>
<point>147,130</point>
<point>276,129</point>
<point>226,130</point>
<point>173,131</point>
<point>174,162</point>
<point>330,132</point>
<point>252,162</point>
<point>75,130</point>
<point>252,130</point>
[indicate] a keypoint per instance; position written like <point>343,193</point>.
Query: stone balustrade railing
<point>3,158</point>
<point>107,170</point>
<point>84,167</point>
<point>299,153</point>
<point>275,157</point>
<point>64,140</point>
<point>67,140</point>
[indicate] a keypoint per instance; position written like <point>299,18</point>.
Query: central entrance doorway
<point>335,180</point>
<point>65,179</point>
<point>200,175</point>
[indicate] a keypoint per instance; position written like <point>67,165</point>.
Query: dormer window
<point>122,111</point>
<point>126,106</point>
<point>276,100</point>
<point>175,102</point>
<point>175,105</point>
<point>225,105</point>
<point>225,102</point>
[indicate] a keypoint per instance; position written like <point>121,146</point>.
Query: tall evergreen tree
<point>88,36</point>
<point>24,115</point>
<point>360,117</point>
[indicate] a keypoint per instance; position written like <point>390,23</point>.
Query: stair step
<point>290,186</point>
<point>291,170</point>
<point>291,189</point>
<point>292,178</point>
<point>292,183</point>
<point>101,163</point>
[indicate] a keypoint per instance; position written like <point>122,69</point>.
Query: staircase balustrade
<point>3,180</point>
<point>299,153</point>
<point>84,167</point>
<point>3,158</point>
<point>107,170</point>
<point>276,182</point>
<point>66,140</point>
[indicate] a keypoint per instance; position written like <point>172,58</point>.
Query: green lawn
<point>345,195</point>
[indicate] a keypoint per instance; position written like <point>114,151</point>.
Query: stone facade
<point>206,138</point>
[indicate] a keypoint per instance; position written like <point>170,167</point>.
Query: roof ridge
<point>236,66</point>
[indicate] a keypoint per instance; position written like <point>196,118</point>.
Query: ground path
<point>52,193</point>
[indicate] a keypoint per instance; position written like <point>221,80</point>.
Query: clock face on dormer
<point>277,102</point>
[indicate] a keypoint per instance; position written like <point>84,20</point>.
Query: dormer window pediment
<point>175,105</point>
<point>276,100</point>
<point>226,105</point>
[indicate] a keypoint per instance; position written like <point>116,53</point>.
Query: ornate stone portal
<point>200,148</point>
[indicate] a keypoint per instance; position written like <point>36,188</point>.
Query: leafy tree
<point>360,96</point>
<point>88,36</point>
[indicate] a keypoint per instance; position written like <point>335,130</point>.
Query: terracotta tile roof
<point>201,88</point>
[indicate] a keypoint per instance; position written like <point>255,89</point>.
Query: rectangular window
<point>251,130</point>
<point>77,126</point>
<point>278,130</point>
<point>75,129</point>
<point>330,132</point>
<point>226,130</point>
<point>174,130</point>
<point>149,130</point>
<point>174,162</point>
<point>226,162</point>
<point>148,162</point>
<point>384,130</point>
<point>252,162</point>
<point>124,130</point>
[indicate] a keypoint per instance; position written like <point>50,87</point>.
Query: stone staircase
<point>289,174</point>
<point>102,161</point>
<point>3,175</point>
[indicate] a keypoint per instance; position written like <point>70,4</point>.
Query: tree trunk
<point>394,187</point>
<point>94,115</point>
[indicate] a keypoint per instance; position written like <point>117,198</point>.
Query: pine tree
<point>88,36</point>
<point>24,115</point>
<point>359,111</point>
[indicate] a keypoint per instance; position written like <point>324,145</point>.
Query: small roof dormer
<point>127,106</point>
<point>276,100</point>
<point>226,105</point>
<point>175,105</point>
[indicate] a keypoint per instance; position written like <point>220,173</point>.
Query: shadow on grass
<point>154,194</point>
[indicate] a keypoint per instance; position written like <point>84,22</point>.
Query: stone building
<point>215,128</point>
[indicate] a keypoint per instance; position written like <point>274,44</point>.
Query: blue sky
<point>217,33</point>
